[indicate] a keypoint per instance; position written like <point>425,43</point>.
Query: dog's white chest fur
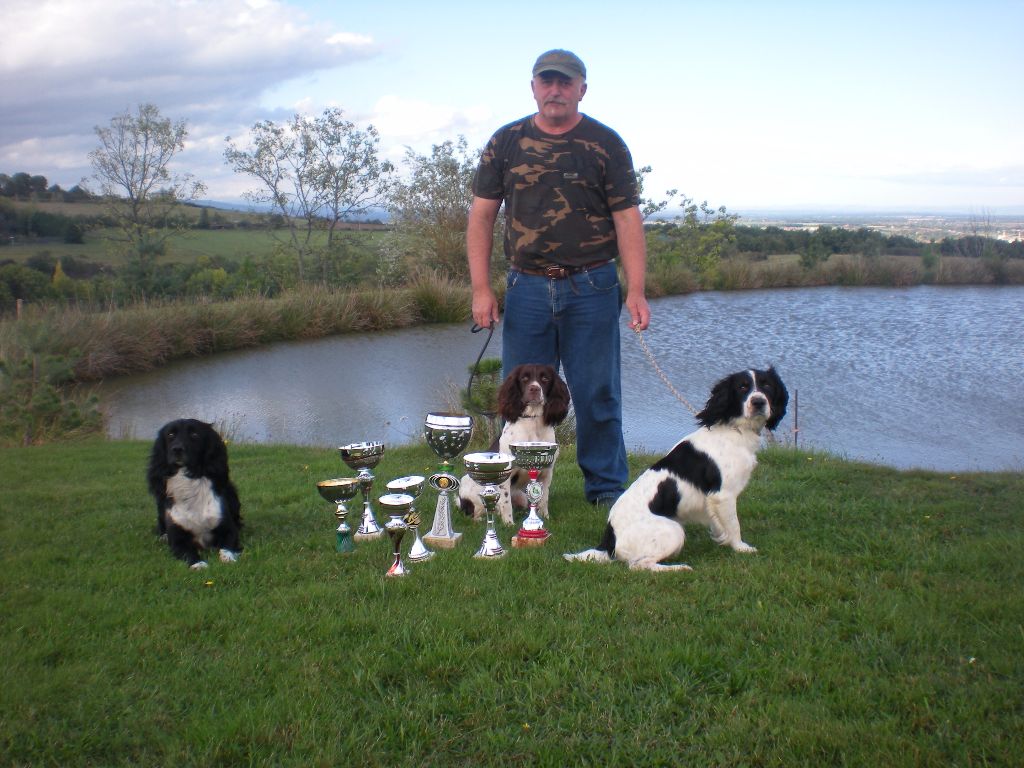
<point>733,450</point>
<point>196,508</point>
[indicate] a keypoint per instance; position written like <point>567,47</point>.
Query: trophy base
<point>491,547</point>
<point>442,542</point>
<point>530,538</point>
<point>367,536</point>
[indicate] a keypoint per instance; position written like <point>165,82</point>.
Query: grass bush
<point>669,280</point>
<point>879,624</point>
<point>149,335</point>
<point>438,299</point>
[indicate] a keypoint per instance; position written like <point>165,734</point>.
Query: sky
<point>898,106</point>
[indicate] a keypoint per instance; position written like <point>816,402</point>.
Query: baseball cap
<point>564,62</point>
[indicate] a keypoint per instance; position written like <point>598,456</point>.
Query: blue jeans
<point>575,322</point>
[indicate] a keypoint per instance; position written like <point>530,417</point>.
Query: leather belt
<point>558,272</point>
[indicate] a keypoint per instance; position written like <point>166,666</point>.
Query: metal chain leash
<point>661,373</point>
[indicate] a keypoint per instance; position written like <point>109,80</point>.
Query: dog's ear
<point>556,402</point>
<point>720,405</point>
<point>215,458</point>
<point>157,471</point>
<point>510,397</point>
<point>779,397</point>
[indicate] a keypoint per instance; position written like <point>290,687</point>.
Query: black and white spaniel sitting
<point>532,401</point>
<point>197,506</point>
<point>698,481</point>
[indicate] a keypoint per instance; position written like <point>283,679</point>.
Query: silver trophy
<point>447,434</point>
<point>490,470</point>
<point>533,456</point>
<point>397,506</point>
<point>363,457</point>
<point>339,491</point>
<point>412,485</point>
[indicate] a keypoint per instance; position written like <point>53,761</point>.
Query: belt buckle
<point>554,273</point>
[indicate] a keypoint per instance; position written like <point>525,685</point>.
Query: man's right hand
<point>485,308</point>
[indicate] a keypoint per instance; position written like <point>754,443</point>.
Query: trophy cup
<point>364,457</point>
<point>413,486</point>
<point>339,491</point>
<point>396,505</point>
<point>448,435</point>
<point>533,456</point>
<point>490,470</point>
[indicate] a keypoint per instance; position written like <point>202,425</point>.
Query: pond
<point>929,377</point>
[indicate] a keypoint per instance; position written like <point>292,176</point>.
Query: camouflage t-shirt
<point>559,191</point>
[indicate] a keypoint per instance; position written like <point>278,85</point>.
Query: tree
<point>698,240</point>
<point>37,187</point>
<point>143,196</point>
<point>431,208</point>
<point>648,206</point>
<point>314,173</point>
<point>22,184</point>
<point>352,178</point>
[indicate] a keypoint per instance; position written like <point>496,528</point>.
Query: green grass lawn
<point>881,623</point>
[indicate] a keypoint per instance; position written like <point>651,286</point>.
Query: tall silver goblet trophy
<point>490,470</point>
<point>363,457</point>
<point>396,506</point>
<point>447,434</point>
<point>339,491</point>
<point>413,486</point>
<point>533,456</point>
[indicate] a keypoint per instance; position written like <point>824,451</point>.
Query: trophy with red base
<point>533,456</point>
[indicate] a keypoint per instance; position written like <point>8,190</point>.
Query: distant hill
<point>374,214</point>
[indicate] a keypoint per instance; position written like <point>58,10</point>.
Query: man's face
<point>557,96</point>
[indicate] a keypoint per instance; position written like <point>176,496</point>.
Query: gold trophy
<point>339,491</point>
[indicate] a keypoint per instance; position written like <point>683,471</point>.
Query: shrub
<point>37,401</point>
<point>438,299</point>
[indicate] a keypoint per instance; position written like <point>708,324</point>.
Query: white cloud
<point>71,66</point>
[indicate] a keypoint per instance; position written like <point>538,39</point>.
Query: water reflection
<point>920,377</point>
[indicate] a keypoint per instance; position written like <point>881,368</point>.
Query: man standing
<point>571,209</point>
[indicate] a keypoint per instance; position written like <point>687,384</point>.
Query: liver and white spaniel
<point>532,400</point>
<point>698,481</point>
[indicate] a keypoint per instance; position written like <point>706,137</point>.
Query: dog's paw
<point>198,566</point>
<point>588,556</point>
<point>227,556</point>
<point>648,564</point>
<point>743,547</point>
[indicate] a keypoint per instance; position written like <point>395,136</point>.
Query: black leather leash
<point>476,367</point>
